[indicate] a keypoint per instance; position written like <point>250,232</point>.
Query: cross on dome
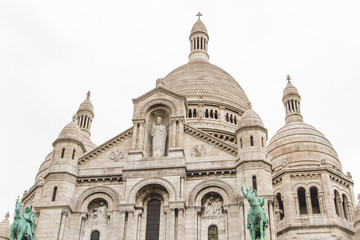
<point>288,78</point>
<point>199,15</point>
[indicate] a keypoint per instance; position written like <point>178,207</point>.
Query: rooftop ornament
<point>23,227</point>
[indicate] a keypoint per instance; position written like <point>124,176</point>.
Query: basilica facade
<point>177,173</point>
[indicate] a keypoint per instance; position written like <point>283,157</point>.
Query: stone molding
<point>211,183</point>
<point>159,89</point>
<point>163,101</point>
<point>154,173</point>
<point>66,140</point>
<point>253,164</point>
<point>99,179</point>
<point>247,128</point>
<point>107,190</point>
<point>60,176</point>
<point>159,181</point>
<point>154,164</point>
<point>201,135</point>
<point>107,145</point>
<point>218,173</point>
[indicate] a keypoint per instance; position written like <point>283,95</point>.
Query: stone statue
<point>257,222</point>
<point>23,227</point>
<point>158,134</point>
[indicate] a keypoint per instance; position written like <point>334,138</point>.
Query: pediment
<point>111,153</point>
<point>158,91</point>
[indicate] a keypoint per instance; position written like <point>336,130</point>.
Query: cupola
<point>291,100</point>
<point>85,115</point>
<point>199,39</point>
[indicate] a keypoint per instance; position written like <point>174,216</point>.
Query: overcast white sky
<point>53,52</point>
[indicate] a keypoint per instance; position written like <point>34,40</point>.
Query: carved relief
<point>98,215</point>
<point>116,156</point>
<point>212,207</point>
<point>198,151</point>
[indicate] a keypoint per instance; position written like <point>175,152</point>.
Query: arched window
<point>280,206</point>
<point>302,200</point>
<point>235,121</point>
<point>207,113</point>
<point>153,220</point>
<point>227,117</point>
<point>231,118</point>
<point>190,113</point>
<point>254,184</point>
<point>54,194</point>
<point>194,113</point>
<point>211,114</point>
<point>63,153</point>
<point>251,141</point>
<point>314,200</point>
<point>336,202</point>
<point>95,235</point>
<point>344,205</point>
<point>213,233</point>
<point>216,114</point>
<point>240,142</point>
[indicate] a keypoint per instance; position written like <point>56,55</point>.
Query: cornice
<point>201,135</point>
<point>109,144</point>
<point>159,89</point>
<point>62,140</point>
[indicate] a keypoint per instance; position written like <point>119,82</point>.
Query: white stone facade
<point>215,144</point>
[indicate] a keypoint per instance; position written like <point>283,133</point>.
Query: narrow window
<point>280,206</point>
<point>231,118</point>
<point>344,205</point>
<point>227,117</point>
<point>302,200</point>
<point>288,103</point>
<point>296,102</point>
<point>254,182</point>
<point>190,113</point>
<point>240,142</point>
<point>262,142</point>
<point>54,194</point>
<point>235,121</point>
<point>63,153</point>
<point>194,113</point>
<point>201,41</point>
<point>211,114</point>
<point>216,114</point>
<point>87,124</point>
<point>95,235</point>
<point>153,220</point>
<point>213,233</point>
<point>73,154</point>
<point>85,121</point>
<point>207,113</point>
<point>314,200</point>
<point>292,105</point>
<point>336,202</point>
<point>81,120</point>
<point>251,141</point>
<point>197,44</point>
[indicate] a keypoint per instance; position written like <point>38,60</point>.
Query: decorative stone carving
<point>98,215</point>
<point>213,207</point>
<point>198,151</point>
<point>116,156</point>
<point>158,134</point>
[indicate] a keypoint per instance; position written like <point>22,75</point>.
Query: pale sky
<point>53,52</point>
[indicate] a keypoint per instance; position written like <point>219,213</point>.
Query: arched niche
<point>155,112</point>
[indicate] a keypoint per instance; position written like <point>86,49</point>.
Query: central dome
<point>203,80</point>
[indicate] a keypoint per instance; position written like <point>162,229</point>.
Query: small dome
<point>290,90</point>
<point>5,227</point>
<point>199,26</point>
<point>87,105</point>
<point>71,131</point>
<point>298,144</point>
<point>203,80</point>
<point>250,118</point>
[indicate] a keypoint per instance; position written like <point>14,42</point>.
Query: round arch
<point>223,188</point>
<point>160,181</point>
<point>160,101</point>
<point>109,194</point>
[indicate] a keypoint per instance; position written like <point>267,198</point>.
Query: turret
<point>291,100</point>
<point>85,115</point>
<point>199,39</point>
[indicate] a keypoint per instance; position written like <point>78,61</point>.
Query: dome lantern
<point>291,100</point>
<point>199,39</point>
<point>85,115</point>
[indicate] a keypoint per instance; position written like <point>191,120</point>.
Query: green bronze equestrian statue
<point>23,227</point>
<point>257,222</point>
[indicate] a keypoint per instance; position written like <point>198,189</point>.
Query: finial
<point>288,78</point>
<point>199,15</point>
<point>7,215</point>
<point>74,117</point>
<point>88,94</point>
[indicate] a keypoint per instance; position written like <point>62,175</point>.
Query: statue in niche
<point>158,134</point>
<point>98,215</point>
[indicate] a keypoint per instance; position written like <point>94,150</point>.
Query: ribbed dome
<point>86,105</point>
<point>301,145</point>
<point>290,89</point>
<point>250,118</point>
<point>197,80</point>
<point>5,227</point>
<point>71,131</point>
<point>199,26</point>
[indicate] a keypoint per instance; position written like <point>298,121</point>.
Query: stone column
<point>272,221</point>
<point>181,133</point>
<point>340,207</point>
<point>242,221</point>
<point>222,114</point>
<point>130,226</point>
<point>181,224</point>
<point>134,135</point>
<point>171,221</point>
<point>321,203</point>
<point>121,224</point>
<point>141,136</point>
<point>63,223</point>
<point>173,133</point>
<point>308,203</point>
